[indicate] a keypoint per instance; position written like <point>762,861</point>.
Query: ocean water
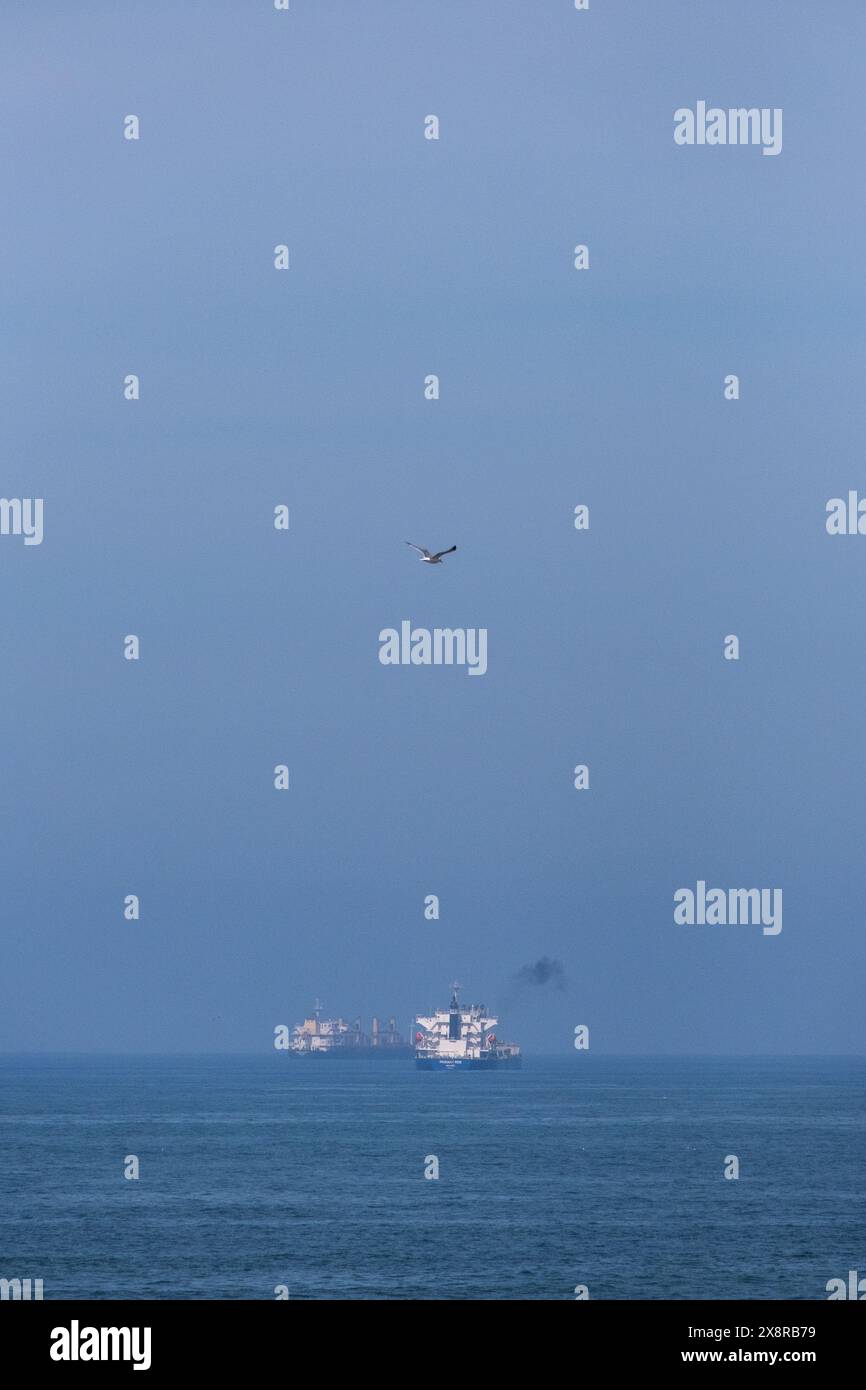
<point>262,1171</point>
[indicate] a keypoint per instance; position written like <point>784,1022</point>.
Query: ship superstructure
<point>335,1037</point>
<point>461,1036</point>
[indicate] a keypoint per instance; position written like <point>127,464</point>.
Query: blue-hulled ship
<point>461,1036</point>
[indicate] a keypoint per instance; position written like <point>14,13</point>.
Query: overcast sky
<point>410,257</point>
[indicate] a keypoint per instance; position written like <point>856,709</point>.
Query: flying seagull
<point>427,558</point>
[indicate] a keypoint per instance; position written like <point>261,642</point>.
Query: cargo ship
<point>334,1037</point>
<point>461,1036</point>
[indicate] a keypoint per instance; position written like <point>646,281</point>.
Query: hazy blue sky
<point>412,257</point>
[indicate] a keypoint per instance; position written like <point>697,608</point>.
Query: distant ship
<point>334,1037</point>
<point>461,1036</point>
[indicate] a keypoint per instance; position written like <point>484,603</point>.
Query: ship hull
<point>360,1054</point>
<point>466,1063</point>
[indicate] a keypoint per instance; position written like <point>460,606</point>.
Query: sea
<point>264,1177</point>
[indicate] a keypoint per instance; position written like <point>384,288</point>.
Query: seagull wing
<point>440,553</point>
<point>419,548</point>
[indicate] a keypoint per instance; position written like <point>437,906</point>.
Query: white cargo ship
<point>335,1037</point>
<point>461,1036</point>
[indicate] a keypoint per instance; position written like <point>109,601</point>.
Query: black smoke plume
<point>544,972</point>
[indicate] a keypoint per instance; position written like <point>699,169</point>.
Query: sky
<point>305,387</point>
